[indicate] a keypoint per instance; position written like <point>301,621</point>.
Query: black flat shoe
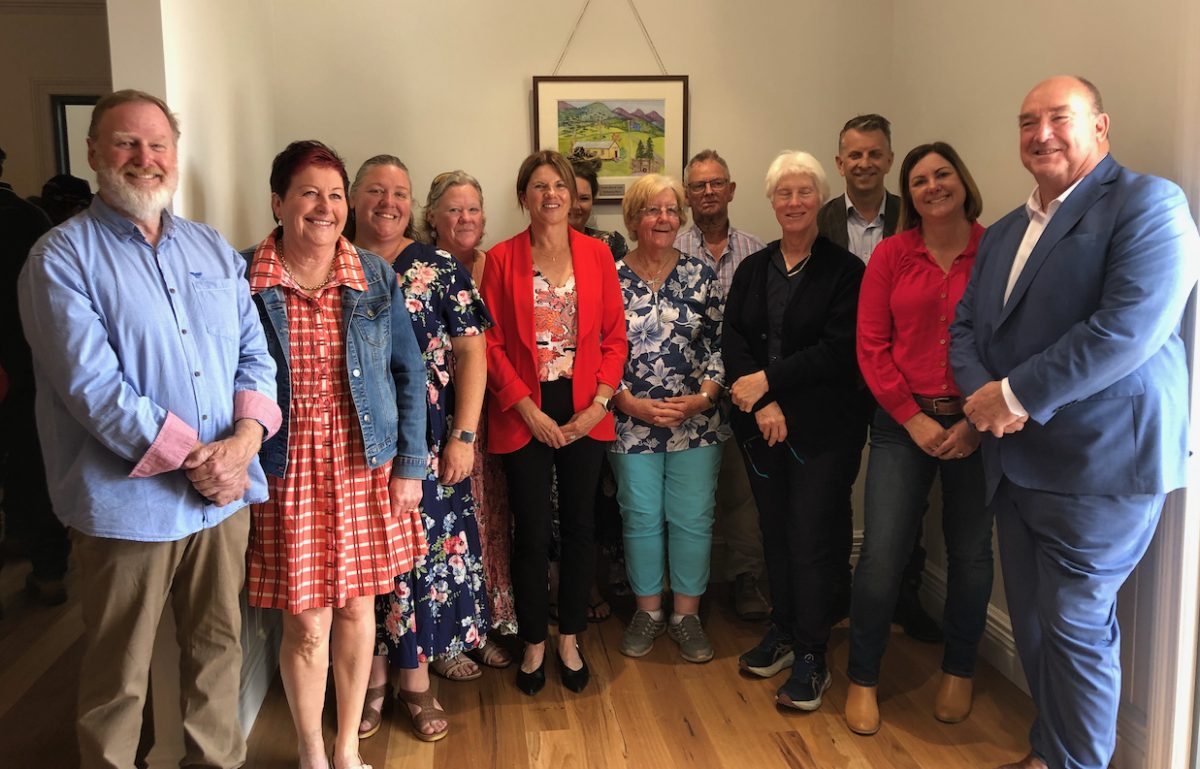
<point>575,680</point>
<point>532,683</point>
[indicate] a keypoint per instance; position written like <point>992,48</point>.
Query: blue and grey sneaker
<point>809,680</point>
<point>772,654</point>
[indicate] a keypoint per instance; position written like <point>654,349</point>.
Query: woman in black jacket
<point>788,344</point>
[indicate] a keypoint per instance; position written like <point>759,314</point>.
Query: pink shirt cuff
<point>172,445</point>
<point>251,404</point>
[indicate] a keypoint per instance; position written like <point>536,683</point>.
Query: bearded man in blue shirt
<point>155,391</point>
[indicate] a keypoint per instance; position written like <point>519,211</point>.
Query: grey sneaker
<point>694,645</point>
<point>748,600</point>
<point>639,636</point>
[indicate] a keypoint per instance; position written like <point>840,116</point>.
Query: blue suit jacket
<point>1089,338</point>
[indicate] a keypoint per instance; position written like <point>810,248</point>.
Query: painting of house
<point>625,135</point>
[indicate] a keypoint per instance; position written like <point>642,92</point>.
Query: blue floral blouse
<point>674,345</point>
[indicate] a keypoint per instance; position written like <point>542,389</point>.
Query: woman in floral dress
<point>454,222</point>
<point>439,608</point>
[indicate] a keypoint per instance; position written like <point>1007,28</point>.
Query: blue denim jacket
<point>387,374</point>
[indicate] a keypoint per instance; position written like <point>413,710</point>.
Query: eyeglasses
<point>671,212</point>
<point>750,443</point>
<point>784,194</point>
<point>716,184</point>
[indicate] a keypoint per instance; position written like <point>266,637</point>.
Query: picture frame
<point>632,125</point>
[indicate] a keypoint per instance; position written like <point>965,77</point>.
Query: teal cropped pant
<point>672,492</point>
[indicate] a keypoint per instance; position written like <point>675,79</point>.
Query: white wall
<point>46,48</point>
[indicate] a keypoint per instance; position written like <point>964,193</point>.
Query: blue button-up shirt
<point>139,351</point>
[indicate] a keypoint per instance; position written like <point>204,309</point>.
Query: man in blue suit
<point>1067,338</point>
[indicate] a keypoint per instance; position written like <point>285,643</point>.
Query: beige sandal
<point>492,655</point>
<point>373,717</point>
<point>428,713</point>
<point>456,668</point>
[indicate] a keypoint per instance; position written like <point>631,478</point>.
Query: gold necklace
<point>282,261</point>
<point>658,276</point>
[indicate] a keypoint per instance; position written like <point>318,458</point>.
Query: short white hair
<point>796,162</point>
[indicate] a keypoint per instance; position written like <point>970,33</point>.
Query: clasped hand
<point>218,470</point>
<point>988,411</point>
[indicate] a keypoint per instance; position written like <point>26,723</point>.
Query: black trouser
<point>529,471</point>
<point>801,508</point>
<point>30,517</point>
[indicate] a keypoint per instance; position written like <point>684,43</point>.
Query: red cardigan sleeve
<point>614,345</point>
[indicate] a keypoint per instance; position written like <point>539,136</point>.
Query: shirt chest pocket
<point>371,321</point>
<point>215,302</point>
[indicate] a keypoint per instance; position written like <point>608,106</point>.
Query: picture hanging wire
<point>636,15</point>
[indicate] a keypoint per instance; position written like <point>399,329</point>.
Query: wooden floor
<point>658,711</point>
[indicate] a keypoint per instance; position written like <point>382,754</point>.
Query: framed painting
<point>629,125</point>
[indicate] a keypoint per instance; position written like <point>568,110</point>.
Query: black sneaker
<point>772,654</point>
<point>809,680</point>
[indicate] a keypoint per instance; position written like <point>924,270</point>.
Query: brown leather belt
<point>939,406</point>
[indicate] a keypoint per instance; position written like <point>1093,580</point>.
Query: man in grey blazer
<point>1068,339</point>
<point>867,213</point>
<point>857,221</point>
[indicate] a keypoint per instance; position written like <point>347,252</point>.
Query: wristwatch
<point>604,402</point>
<point>466,436</point>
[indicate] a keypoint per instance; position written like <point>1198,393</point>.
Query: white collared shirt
<point>862,236</point>
<point>1038,222</point>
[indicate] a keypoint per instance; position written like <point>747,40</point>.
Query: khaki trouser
<point>737,538</point>
<point>124,586</point>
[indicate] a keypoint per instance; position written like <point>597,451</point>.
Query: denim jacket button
<point>366,417</point>
<point>356,372</point>
<point>370,313</point>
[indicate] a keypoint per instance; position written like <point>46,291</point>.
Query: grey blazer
<point>831,219</point>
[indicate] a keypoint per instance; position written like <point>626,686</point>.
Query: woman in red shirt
<point>554,358</point>
<point>912,285</point>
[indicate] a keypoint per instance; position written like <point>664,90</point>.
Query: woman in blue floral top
<point>669,432</point>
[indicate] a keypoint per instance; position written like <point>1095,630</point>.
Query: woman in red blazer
<point>554,358</point>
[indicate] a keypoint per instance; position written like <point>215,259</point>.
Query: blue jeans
<point>899,476</point>
<point>671,490</point>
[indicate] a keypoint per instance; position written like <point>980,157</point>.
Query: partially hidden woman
<point>669,431</point>
<point>344,472</point>
<point>454,221</point>
<point>788,347</point>
<point>438,610</point>
<point>587,186</point>
<point>555,357</point>
<point>912,285</point>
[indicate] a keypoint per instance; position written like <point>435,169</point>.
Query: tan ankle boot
<point>862,709</point>
<point>953,703</point>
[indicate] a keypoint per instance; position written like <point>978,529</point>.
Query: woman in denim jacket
<point>344,470</point>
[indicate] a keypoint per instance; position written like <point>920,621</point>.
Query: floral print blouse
<point>674,345</point>
<point>555,323</point>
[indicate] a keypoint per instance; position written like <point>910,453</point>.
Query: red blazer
<point>601,347</point>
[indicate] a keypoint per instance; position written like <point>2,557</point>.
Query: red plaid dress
<point>326,533</point>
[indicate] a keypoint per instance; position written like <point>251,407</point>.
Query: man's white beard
<point>142,205</point>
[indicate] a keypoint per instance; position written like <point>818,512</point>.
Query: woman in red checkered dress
<point>344,476</point>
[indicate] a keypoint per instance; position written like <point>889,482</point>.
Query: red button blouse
<point>905,310</point>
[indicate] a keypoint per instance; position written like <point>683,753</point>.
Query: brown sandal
<point>456,668</point>
<point>490,654</point>
<point>428,713</point>
<point>373,717</point>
